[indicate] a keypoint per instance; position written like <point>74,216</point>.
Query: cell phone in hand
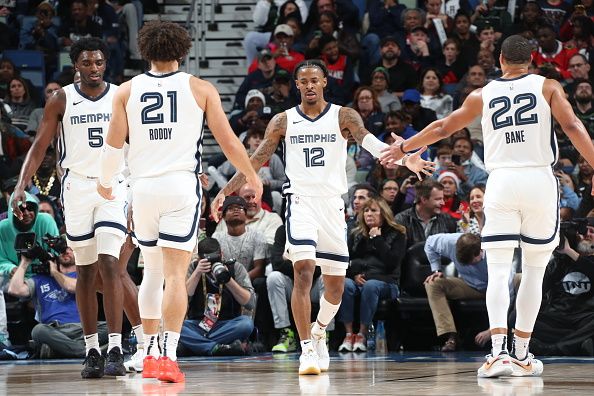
<point>456,159</point>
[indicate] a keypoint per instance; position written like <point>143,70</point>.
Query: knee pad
<point>85,255</point>
<point>109,244</point>
<point>150,294</point>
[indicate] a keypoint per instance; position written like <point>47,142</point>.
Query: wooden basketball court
<point>350,374</point>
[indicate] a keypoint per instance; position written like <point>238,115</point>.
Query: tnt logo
<point>576,283</point>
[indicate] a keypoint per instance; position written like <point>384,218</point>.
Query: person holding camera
<point>32,221</point>
<point>218,290</point>
<point>53,292</point>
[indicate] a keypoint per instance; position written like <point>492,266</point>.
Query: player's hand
<point>105,192</point>
<point>18,199</point>
<point>216,205</point>
<point>130,218</point>
<point>203,177</point>
<point>392,153</point>
<point>418,165</point>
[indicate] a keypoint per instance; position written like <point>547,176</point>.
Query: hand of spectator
<point>466,215</point>
<point>481,9</point>
<point>482,338</point>
<point>18,199</point>
<point>216,205</point>
<point>432,277</point>
<point>421,48</point>
<point>105,192</point>
<point>564,178</point>
<point>53,267</point>
<point>360,279</point>
<point>566,249</point>
<point>458,170</point>
<point>203,267</point>
<point>314,43</point>
<point>418,165</point>
<point>375,231</point>
<point>408,182</point>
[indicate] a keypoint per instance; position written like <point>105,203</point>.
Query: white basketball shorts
<point>87,213</point>
<point>166,209</point>
<point>316,230</point>
<point>521,209</point>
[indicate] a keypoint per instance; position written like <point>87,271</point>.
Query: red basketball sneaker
<point>169,371</point>
<point>150,367</point>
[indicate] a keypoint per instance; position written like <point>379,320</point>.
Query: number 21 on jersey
<point>150,114</point>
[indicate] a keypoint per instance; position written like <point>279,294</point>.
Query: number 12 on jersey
<point>157,102</point>
<point>314,156</point>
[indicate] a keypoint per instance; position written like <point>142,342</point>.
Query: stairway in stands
<point>221,58</point>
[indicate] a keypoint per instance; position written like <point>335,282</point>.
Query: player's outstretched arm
<point>437,130</point>
<point>112,155</point>
<point>275,130</point>
<point>351,123</point>
<point>222,132</point>
<point>571,125</point>
<point>52,115</point>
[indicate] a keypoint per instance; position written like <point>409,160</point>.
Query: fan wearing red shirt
<point>282,49</point>
<point>551,51</point>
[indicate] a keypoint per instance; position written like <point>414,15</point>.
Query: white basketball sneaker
<point>529,367</point>
<point>496,366</point>
<point>134,363</point>
<point>319,344</point>
<point>308,363</point>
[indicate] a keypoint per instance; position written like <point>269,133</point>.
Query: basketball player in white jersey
<point>521,202</point>
<point>315,137</point>
<point>95,227</point>
<point>162,114</point>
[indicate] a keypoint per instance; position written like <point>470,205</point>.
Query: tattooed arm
<point>275,130</point>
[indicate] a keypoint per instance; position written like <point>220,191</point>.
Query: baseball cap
<point>282,75</point>
<point>389,39</point>
<point>254,93</point>
<point>264,53</point>
<point>420,29</point>
<point>411,95</point>
<point>283,28</point>
<point>382,70</point>
<point>233,200</point>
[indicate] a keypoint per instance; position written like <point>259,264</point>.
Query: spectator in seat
<point>361,193</point>
<point>453,66</point>
<point>582,98</point>
<point>389,190</point>
<point>468,173</point>
<point>20,102</point>
<point>260,79</point>
<point>473,219</point>
<point>222,304</point>
<point>469,43</point>
<point>379,83</point>
<point>37,114</point>
<point>366,104</point>
<point>42,35</point>
<point>281,97</point>
<point>421,116</point>
<point>434,12</point>
<point>339,66</point>
<point>495,15</point>
<point>242,121</point>
<point>464,250</point>
<point>453,204</point>
<point>282,49</point>
<point>328,24</point>
<point>486,60</point>
<point>59,325</point>
<point>78,25</point>
<point>419,50</point>
<point>376,249</point>
<point>279,284</point>
<point>432,94</point>
<point>401,74</point>
<point>579,68</point>
<point>425,217</point>
<point>551,53</point>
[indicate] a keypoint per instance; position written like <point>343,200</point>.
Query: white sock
<point>152,345</point>
<point>170,339</point>
<point>499,342</point>
<point>325,315</point>
<point>521,347</point>
<point>115,340</point>
<point>306,346</point>
<point>139,336</point>
<point>92,342</point>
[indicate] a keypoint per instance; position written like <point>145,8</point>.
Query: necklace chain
<point>50,183</point>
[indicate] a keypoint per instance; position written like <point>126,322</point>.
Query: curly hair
<point>163,41</point>
<point>88,44</point>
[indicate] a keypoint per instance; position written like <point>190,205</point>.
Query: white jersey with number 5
<point>517,124</point>
<point>83,129</point>
<point>165,125</point>
<point>315,154</point>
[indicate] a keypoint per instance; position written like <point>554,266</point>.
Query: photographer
<point>565,324</point>
<point>218,290</point>
<point>33,221</point>
<point>55,306</point>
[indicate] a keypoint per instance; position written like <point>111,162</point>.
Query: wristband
<point>402,148</point>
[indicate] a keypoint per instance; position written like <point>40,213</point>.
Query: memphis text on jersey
<point>315,138</point>
<point>90,118</point>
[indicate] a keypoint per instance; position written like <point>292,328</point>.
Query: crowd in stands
<point>400,68</point>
